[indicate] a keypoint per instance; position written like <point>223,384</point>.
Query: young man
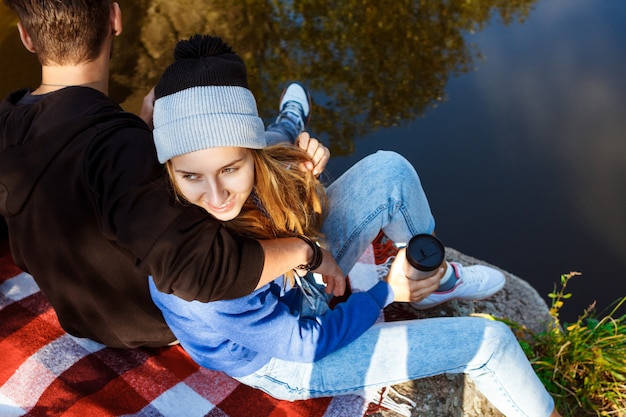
<point>87,203</point>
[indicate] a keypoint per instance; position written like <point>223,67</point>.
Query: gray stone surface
<point>455,395</point>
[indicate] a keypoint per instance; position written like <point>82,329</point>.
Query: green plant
<point>582,364</point>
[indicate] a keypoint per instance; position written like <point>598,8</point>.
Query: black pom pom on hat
<point>202,60</point>
<point>199,46</point>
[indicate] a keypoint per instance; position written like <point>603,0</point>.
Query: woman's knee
<point>392,161</point>
<point>393,170</point>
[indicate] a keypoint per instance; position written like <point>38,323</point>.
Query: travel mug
<point>424,254</point>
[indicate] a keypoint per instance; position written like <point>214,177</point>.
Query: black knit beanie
<point>203,101</point>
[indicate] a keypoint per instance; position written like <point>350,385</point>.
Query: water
<point>516,128</point>
<point>525,163</point>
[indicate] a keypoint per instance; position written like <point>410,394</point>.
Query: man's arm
<point>285,254</point>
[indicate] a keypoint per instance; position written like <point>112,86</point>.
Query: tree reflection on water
<point>370,64</point>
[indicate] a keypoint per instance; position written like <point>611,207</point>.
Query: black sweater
<point>90,216</point>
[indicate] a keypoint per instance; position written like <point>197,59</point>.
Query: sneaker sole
<point>422,307</point>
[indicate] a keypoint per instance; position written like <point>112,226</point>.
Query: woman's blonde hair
<point>286,200</point>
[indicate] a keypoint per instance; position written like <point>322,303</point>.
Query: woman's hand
<point>408,290</point>
<point>319,153</point>
<point>331,275</point>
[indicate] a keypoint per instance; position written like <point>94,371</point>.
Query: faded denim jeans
<point>383,192</point>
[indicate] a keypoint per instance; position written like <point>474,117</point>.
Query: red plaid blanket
<point>47,372</point>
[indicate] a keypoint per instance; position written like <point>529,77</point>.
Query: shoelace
<point>384,402</point>
<point>293,108</point>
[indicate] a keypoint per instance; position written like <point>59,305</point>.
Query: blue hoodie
<point>240,336</point>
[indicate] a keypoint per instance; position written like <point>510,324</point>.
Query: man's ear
<point>116,19</point>
<point>25,37</point>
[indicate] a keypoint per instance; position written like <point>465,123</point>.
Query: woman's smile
<point>216,179</point>
<point>222,208</point>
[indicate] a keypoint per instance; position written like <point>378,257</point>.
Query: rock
<point>455,395</point>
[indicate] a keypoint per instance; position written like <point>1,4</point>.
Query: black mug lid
<point>425,252</point>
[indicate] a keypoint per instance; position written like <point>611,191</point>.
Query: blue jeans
<point>380,192</point>
<point>383,191</point>
<point>284,130</point>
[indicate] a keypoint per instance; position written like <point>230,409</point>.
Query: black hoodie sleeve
<point>188,252</point>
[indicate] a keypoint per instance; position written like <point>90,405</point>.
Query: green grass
<point>582,364</point>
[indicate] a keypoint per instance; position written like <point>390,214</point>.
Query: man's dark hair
<point>64,31</point>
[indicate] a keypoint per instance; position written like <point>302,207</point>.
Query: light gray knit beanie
<point>203,101</point>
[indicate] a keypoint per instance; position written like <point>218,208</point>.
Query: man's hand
<point>147,109</point>
<point>331,275</point>
<point>319,153</point>
<point>408,290</point>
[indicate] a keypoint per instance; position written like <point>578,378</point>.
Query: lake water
<point>517,126</point>
<point>525,163</point>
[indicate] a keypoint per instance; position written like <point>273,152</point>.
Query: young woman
<point>283,339</point>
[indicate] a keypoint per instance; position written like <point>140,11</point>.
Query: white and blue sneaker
<point>473,283</point>
<point>295,111</point>
<point>296,101</point>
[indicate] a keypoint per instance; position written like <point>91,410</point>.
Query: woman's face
<point>216,179</point>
